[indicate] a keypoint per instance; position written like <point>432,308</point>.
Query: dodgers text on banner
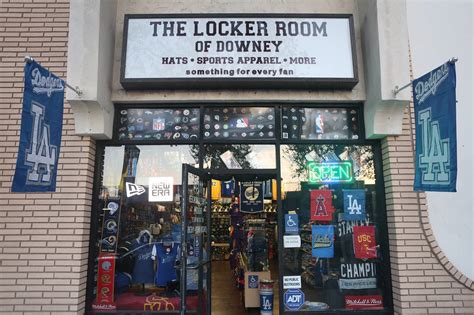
<point>434,96</point>
<point>41,126</point>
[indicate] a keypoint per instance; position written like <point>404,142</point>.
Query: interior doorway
<point>244,239</point>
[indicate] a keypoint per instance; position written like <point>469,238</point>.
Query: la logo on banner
<point>354,204</point>
<point>434,159</point>
<point>41,157</point>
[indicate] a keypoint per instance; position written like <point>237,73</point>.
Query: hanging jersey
<point>143,267</point>
<point>227,188</point>
<point>216,190</point>
<point>166,257</point>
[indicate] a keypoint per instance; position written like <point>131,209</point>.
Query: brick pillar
<point>44,237</point>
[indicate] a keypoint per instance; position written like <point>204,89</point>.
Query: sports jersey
<point>166,257</point>
<point>143,267</point>
<point>216,190</point>
<point>227,189</point>
<point>267,189</point>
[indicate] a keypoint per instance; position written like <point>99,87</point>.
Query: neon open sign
<point>330,172</point>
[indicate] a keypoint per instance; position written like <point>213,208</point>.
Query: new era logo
<point>134,190</point>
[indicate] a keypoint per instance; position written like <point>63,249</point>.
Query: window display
<point>340,261</point>
<point>140,228</point>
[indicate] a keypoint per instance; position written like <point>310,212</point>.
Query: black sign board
<point>320,123</point>
<point>158,124</point>
<point>239,123</point>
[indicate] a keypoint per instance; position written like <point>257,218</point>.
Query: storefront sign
<point>291,224</point>
<point>365,246</point>
<point>251,197</point>
<point>41,127</point>
<point>354,204</point>
<point>434,96</point>
<point>330,172</point>
<point>160,189</point>
<point>322,241</point>
<point>321,205</point>
<point>358,276</point>
<point>294,299</point>
<point>258,50</point>
<point>358,302</point>
<point>292,282</point>
<point>291,241</point>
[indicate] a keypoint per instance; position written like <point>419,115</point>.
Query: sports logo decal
<point>321,205</point>
<point>357,302</point>
<point>134,190</point>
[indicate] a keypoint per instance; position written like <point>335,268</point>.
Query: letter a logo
<point>434,160</point>
<point>320,206</point>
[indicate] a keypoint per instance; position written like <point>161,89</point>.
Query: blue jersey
<point>143,267</point>
<point>227,189</point>
<point>166,257</point>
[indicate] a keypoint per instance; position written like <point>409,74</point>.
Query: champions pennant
<point>40,135</point>
<point>434,96</point>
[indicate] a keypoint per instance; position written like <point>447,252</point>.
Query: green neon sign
<point>330,172</point>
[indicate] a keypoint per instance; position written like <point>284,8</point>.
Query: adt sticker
<point>354,204</point>
<point>253,282</point>
<point>294,299</point>
<point>291,224</point>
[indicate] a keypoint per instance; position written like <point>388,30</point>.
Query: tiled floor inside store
<point>226,297</point>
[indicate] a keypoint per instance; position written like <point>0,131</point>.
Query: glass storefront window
<point>139,231</point>
<point>239,156</point>
<point>330,201</point>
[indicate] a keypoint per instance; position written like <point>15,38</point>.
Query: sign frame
<point>246,83</point>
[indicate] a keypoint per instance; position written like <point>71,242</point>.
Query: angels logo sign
<point>321,205</point>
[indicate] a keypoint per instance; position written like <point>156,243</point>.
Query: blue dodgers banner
<point>434,96</point>
<point>41,127</point>
<point>354,204</point>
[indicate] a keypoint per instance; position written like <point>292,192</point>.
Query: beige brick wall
<point>44,237</point>
<point>424,282</point>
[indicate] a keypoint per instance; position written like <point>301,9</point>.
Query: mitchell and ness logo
<point>134,190</point>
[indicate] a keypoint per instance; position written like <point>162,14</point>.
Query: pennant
<point>40,134</point>
<point>364,242</point>
<point>322,241</point>
<point>434,96</point>
<point>354,204</point>
<point>321,205</point>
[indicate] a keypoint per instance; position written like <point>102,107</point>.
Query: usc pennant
<point>364,242</point>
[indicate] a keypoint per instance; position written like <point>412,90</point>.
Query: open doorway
<point>244,236</point>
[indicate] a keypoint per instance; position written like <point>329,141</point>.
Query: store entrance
<point>244,248</point>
